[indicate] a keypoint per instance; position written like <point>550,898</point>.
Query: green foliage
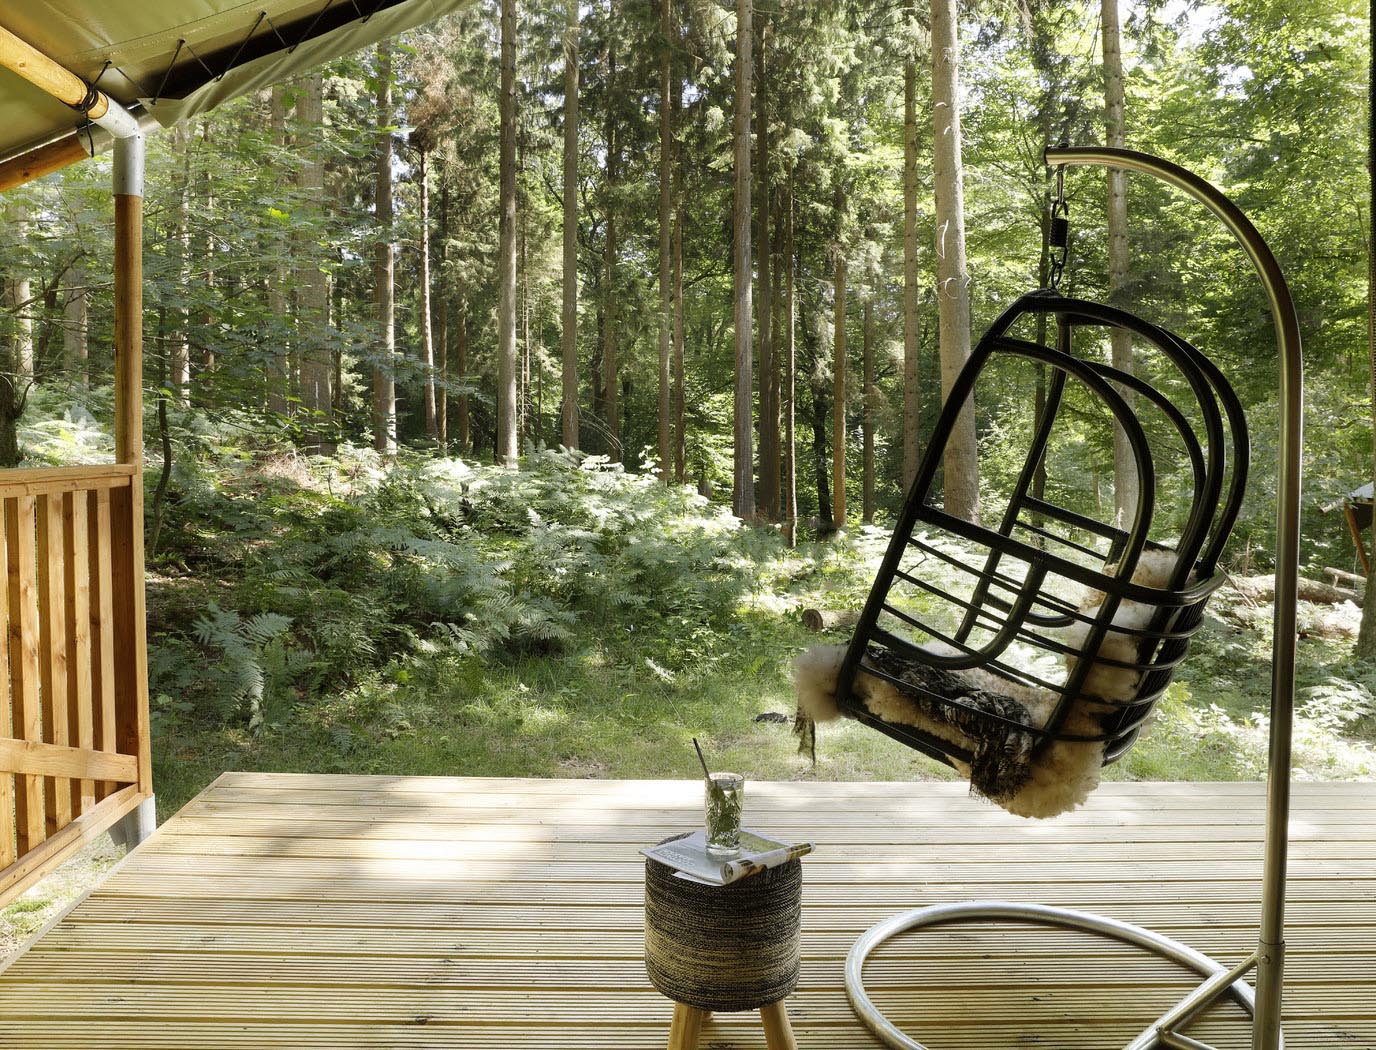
<point>332,568</point>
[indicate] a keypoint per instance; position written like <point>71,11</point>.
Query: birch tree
<point>568,336</point>
<point>1115,134</point>
<point>912,394</point>
<point>508,450</point>
<point>743,473</point>
<point>384,384</point>
<point>666,302</point>
<point>953,291</point>
<point>317,373</point>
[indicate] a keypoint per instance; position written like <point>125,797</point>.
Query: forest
<point>513,386</point>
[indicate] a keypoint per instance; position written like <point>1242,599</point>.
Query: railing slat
<point>52,645</point>
<point>80,698</point>
<point>102,629</point>
<point>70,763</point>
<point>24,663</point>
<point>131,654</point>
<point>7,819</point>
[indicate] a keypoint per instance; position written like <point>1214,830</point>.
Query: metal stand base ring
<point>1006,911</point>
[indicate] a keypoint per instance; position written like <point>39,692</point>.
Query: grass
<point>613,704</point>
<point>618,703</point>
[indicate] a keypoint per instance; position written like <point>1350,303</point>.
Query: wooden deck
<point>352,912</point>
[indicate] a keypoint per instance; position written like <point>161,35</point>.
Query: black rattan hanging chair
<point>1009,586</point>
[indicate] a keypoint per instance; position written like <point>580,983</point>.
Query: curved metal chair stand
<point>1161,1032</point>
<point>1264,1006</point>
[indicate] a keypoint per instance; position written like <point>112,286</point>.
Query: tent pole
<point>128,191</point>
<point>128,188</point>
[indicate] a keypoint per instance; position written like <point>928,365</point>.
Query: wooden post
<point>131,659</point>
<point>1358,539</point>
<point>128,180</point>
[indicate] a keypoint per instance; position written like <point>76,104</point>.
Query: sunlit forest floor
<point>572,620</point>
<point>440,617</point>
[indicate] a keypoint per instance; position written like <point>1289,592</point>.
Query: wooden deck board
<point>279,910</point>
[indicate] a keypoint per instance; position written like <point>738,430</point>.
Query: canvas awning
<point>178,58</point>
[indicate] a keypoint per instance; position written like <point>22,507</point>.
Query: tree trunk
<point>507,449</point>
<point>75,326</point>
<point>568,336</point>
<point>666,299</point>
<point>820,464</point>
<point>14,385</point>
<point>278,281</point>
<point>427,338</point>
<point>1366,635</point>
<point>790,379</point>
<point>21,325</point>
<point>953,291</point>
<point>314,284</point>
<point>442,312</point>
<point>912,391</point>
<point>384,377</point>
<point>204,250</point>
<point>767,496</point>
<point>867,478</point>
<point>743,473</point>
<point>1124,466</point>
<point>179,355</point>
<point>680,438</point>
<point>611,366</point>
<point>462,423</point>
<point>838,384</point>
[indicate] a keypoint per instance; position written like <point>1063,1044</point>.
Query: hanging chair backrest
<point>1020,598</point>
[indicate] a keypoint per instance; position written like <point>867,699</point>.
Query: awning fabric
<point>179,58</point>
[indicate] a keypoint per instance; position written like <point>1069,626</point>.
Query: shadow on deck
<point>281,910</point>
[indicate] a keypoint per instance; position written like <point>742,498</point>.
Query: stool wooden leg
<point>778,1033</point>
<point>687,1023</point>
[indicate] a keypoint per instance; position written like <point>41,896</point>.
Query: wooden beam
<point>42,72</point>
<point>25,481</point>
<point>37,759</point>
<point>44,160</point>
<point>37,862</point>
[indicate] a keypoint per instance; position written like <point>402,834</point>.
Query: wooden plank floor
<point>369,912</point>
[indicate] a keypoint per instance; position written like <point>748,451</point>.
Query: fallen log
<point>830,619</point>
<point>1263,589</point>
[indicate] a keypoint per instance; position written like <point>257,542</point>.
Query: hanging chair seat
<point>1029,653</point>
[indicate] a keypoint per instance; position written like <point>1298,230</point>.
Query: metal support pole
<point>135,826</point>
<point>1266,1030</point>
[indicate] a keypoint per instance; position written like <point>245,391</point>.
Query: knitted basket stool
<point>724,948</point>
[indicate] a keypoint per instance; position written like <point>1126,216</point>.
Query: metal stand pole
<point>1271,943</point>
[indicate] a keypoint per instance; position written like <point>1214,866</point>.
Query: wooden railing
<point>74,746</point>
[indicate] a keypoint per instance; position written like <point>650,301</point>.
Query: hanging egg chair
<point>1029,651</point>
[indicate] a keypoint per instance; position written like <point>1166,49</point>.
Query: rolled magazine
<point>689,858</point>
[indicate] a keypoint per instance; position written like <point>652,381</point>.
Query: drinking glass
<point>725,794</point>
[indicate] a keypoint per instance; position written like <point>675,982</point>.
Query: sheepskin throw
<point>1007,765</point>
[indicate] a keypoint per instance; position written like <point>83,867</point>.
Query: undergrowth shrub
<point>281,579</point>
